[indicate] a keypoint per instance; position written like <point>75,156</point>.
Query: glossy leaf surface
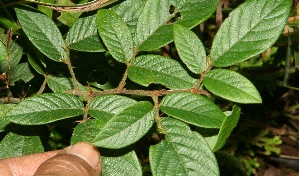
<point>116,35</point>
<point>250,29</point>
<point>42,32</point>
<point>126,127</point>
<point>149,69</point>
<point>232,86</point>
<point>182,152</point>
<point>190,49</point>
<point>193,109</point>
<point>83,35</point>
<point>45,108</point>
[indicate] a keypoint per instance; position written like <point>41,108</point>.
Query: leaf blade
<point>231,86</point>
<point>85,38</point>
<point>14,145</point>
<point>149,69</point>
<point>21,71</point>
<point>109,105</point>
<point>250,29</point>
<point>126,127</point>
<point>116,35</point>
<point>45,108</point>
<point>42,32</point>
<point>155,14</point>
<point>3,51</point>
<point>182,152</point>
<point>227,127</point>
<point>193,109</point>
<point>190,49</point>
<point>127,164</point>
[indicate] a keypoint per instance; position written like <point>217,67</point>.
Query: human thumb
<point>81,159</point>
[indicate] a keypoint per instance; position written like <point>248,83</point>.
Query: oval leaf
<point>190,49</point>
<point>193,109</point>
<point>126,127</point>
<point>42,32</point>
<point>116,35</point>
<point>149,69</point>
<point>182,153</point>
<point>45,108</point>
<point>85,38</point>
<point>232,86</point>
<point>250,29</point>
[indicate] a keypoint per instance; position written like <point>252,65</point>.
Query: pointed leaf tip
<point>232,86</point>
<point>250,29</point>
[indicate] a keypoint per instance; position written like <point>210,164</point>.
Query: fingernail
<point>87,152</point>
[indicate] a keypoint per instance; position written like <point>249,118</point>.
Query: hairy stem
<point>157,117</point>
<point>67,61</point>
<point>43,86</point>
<point>122,82</point>
<point>148,93</point>
<point>208,68</point>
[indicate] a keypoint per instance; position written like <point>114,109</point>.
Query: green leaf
<point>87,130</point>
<point>154,31</point>
<point>116,35</point>
<point>42,32</point>
<point>45,108</point>
<point>83,35</point>
<point>127,164</point>
<point>37,62</point>
<point>149,69</point>
<point>60,84</point>
<point>102,108</point>
<point>190,49</point>
<point>21,72</point>
<point>184,152</point>
<point>4,109</point>
<point>154,15</point>
<point>188,10</point>
<point>130,11</point>
<point>232,86</point>
<point>107,106</point>
<point>15,52</point>
<point>126,127</point>
<point>193,109</point>
<point>3,52</point>
<point>229,123</point>
<point>250,29</point>
<point>14,145</point>
<point>68,18</point>
<point>46,10</point>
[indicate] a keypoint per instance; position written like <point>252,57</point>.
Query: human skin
<point>80,159</point>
